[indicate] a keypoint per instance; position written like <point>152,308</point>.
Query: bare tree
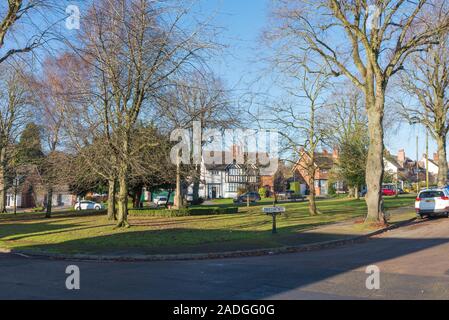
<point>366,43</point>
<point>26,25</point>
<point>49,99</point>
<point>134,48</point>
<point>200,97</point>
<point>346,127</point>
<point>426,79</point>
<point>298,124</point>
<point>14,100</point>
<point>345,114</point>
<point>66,106</point>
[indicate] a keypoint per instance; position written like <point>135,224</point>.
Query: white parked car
<point>433,202</point>
<point>88,205</point>
<point>160,201</point>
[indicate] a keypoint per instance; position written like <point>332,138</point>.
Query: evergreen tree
<point>29,148</point>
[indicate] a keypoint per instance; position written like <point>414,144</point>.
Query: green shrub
<point>200,211</point>
<point>163,213</point>
<point>206,211</point>
<point>332,191</point>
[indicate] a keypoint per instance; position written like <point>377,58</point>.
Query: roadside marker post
<point>274,212</point>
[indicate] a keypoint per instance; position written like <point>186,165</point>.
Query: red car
<point>388,192</point>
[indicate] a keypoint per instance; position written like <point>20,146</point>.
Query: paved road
<point>414,264</point>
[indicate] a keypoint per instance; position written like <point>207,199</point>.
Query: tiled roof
<point>324,162</point>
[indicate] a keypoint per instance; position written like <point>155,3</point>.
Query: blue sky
<point>243,23</point>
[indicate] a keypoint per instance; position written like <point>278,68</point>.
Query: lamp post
<point>417,164</point>
<point>413,121</point>
<point>427,158</point>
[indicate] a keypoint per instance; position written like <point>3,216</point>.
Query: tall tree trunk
<point>442,161</point>
<point>178,196</point>
<point>196,184</point>
<point>312,201</point>
<point>375,161</point>
<point>168,198</point>
<point>356,193</point>
<point>312,175</point>
<point>3,182</point>
<point>351,193</point>
<point>123,197</point>
<point>3,191</point>
<point>49,203</point>
<point>137,203</point>
<point>112,212</point>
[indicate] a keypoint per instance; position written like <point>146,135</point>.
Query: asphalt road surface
<point>413,261</point>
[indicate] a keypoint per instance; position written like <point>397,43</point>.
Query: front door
<point>214,192</point>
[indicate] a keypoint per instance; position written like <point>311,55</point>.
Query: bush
<point>263,193</point>
<point>164,213</point>
<point>206,211</point>
<point>332,191</point>
<point>198,202</point>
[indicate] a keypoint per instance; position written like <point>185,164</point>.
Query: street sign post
<point>274,212</point>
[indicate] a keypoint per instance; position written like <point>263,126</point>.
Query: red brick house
<point>324,162</point>
<point>31,192</point>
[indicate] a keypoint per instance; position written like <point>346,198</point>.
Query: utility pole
<point>417,164</point>
<point>427,158</point>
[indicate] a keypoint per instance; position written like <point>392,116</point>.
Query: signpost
<point>274,211</point>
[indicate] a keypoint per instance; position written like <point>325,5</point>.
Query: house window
<point>234,187</point>
<point>339,186</point>
<point>215,173</point>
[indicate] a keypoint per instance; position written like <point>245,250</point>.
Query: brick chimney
<point>335,154</point>
<point>436,157</point>
<point>325,152</point>
<point>401,156</point>
<point>236,151</point>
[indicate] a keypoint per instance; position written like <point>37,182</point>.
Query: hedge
<point>205,211</point>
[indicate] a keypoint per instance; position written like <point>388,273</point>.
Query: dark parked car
<point>253,197</point>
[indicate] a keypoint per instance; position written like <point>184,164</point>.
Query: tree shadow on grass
<point>184,240</point>
<point>20,230</point>
<point>55,215</point>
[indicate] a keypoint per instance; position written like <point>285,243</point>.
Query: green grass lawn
<point>249,229</point>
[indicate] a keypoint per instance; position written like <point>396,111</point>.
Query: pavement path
<point>413,260</point>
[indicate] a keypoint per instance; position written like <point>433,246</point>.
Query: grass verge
<point>249,229</point>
